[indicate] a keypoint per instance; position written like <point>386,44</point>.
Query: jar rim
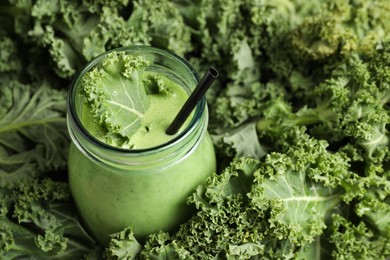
<point>72,113</point>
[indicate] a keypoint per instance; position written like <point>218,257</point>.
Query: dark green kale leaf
<point>33,135</point>
<point>39,221</point>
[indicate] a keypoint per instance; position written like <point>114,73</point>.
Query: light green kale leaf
<point>115,93</point>
<point>123,245</point>
<point>298,205</point>
<point>239,142</point>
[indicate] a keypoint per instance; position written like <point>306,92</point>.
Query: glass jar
<point>145,189</point>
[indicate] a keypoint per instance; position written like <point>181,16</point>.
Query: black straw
<point>191,102</point>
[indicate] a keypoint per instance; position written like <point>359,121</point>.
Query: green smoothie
<point>163,106</point>
<point>127,106</point>
<point>147,200</point>
<point>143,189</point>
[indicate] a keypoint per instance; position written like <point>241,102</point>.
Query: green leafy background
<point>299,119</point>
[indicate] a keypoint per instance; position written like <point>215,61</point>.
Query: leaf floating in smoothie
<point>115,93</point>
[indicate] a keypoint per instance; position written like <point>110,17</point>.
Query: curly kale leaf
<point>239,142</point>
<point>225,224</point>
<point>8,55</point>
<point>39,221</point>
<point>357,241</point>
<point>68,34</point>
<point>123,245</point>
<point>301,187</point>
<point>115,93</point>
<point>348,108</point>
<point>271,208</point>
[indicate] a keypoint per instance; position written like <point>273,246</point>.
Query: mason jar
<point>145,189</point>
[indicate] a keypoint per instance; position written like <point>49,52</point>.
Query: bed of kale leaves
<point>299,118</point>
